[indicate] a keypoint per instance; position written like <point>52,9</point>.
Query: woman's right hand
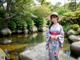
<point>53,37</point>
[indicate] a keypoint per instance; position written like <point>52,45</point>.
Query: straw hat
<point>55,13</point>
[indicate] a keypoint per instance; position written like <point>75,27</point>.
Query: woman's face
<point>54,20</point>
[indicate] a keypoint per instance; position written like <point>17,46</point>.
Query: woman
<point>55,37</point>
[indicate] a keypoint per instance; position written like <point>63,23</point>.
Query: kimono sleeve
<point>47,35</point>
<point>47,39</point>
<point>61,37</point>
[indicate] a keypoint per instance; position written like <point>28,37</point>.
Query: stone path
<point>40,53</point>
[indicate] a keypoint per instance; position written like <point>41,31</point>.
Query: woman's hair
<point>53,16</point>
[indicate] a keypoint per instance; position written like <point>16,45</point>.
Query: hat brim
<point>54,15</point>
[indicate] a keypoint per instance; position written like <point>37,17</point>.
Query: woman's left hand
<point>54,37</point>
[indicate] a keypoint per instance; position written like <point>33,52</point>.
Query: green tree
<point>15,7</point>
<point>72,5</point>
<point>42,11</point>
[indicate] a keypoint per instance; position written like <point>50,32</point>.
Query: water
<point>18,43</point>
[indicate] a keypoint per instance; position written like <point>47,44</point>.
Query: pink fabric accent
<point>54,33</point>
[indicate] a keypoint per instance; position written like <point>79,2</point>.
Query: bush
<point>74,26</point>
<point>77,13</point>
<point>30,24</point>
<point>66,28</point>
<point>71,18</point>
<point>20,24</point>
<point>40,22</point>
<point>1,23</point>
<point>69,14</point>
<point>12,25</point>
<point>2,12</point>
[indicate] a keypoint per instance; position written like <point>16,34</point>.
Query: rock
<point>19,31</point>
<point>40,53</point>
<point>34,29</point>
<point>6,41</point>
<point>72,32</point>
<point>25,31</point>
<point>44,28</point>
<point>74,38</point>
<point>78,30</point>
<point>63,56</point>
<point>79,58</point>
<point>6,31</point>
<point>36,53</point>
<point>2,54</point>
<point>75,49</point>
<point>34,35</point>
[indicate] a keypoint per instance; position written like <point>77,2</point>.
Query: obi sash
<point>54,33</point>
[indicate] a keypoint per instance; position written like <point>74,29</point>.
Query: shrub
<point>69,14</point>
<point>71,18</point>
<point>12,25</point>
<point>77,13</point>
<point>74,26</point>
<point>40,22</point>
<point>1,23</point>
<point>2,12</point>
<point>20,24</point>
<point>30,24</point>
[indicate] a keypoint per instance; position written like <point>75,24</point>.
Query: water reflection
<point>24,39</point>
<point>17,43</point>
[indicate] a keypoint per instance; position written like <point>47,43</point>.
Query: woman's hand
<point>53,37</point>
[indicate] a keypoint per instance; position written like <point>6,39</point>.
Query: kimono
<point>53,46</point>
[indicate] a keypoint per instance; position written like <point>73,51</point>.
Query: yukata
<point>53,46</point>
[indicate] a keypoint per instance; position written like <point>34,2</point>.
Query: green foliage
<point>20,13</point>
<point>78,6</point>
<point>12,25</point>
<point>61,10</point>
<point>42,11</point>
<point>69,14</point>
<point>72,5</point>
<point>74,26</point>
<point>66,27</point>
<point>2,12</point>
<point>30,24</point>
<point>40,22</point>
<point>71,18</point>
<point>1,23</point>
<point>77,13</point>
<point>20,24</point>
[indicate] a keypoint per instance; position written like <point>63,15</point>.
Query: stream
<point>16,44</point>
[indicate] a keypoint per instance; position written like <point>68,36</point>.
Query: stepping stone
<point>40,53</point>
<point>75,49</point>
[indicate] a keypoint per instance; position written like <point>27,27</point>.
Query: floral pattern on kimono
<point>52,45</point>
